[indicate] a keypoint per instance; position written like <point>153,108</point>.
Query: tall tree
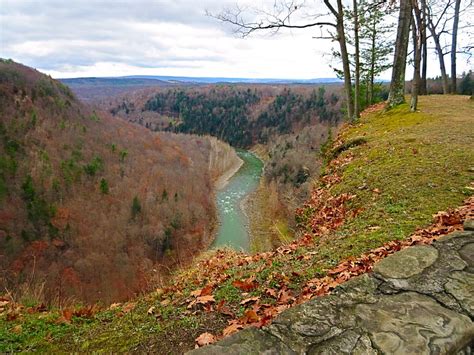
<point>454,41</point>
<point>375,45</point>
<point>424,56</point>
<point>357,61</point>
<point>437,21</point>
<point>396,94</point>
<point>417,26</point>
<point>341,38</point>
<point>281,17</point>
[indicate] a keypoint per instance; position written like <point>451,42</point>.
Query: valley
<point>236,177</point>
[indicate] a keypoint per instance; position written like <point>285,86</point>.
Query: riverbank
<point>223,162</point>
<point>223,180</point>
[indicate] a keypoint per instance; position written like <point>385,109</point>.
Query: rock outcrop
<point>417,301</point>
<point>223,162</point>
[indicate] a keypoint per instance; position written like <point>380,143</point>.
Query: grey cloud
<point>59,23</point>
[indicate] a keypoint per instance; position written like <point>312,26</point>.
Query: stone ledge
<point>419,300</point>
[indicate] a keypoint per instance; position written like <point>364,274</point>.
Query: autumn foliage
<point>93,208</point>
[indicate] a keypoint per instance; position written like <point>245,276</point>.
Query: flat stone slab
<point>407,262</point>
<point>417,301</point>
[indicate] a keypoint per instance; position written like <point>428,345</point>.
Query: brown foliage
<point>77,236</point>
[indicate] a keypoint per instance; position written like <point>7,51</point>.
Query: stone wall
<point>417,301</point>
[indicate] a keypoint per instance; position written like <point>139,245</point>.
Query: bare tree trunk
<point>357,62</point>
<point>424,69</point>
<point>341,38</point>
<point>396,94</point>
<point>454,46</point>
<point>417,47</point>
<point>372,62</point>
<point>442,66</point>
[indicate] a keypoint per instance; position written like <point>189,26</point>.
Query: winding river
<point>233,224</point>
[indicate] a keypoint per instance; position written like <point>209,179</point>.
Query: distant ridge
<point>160,80</point>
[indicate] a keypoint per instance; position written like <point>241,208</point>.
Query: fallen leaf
<point>159,292</point>
<point>232,328</point>
<point>165,302</point>
<point>66,316</point>
<point>245,285</point>
<point>196,293</point>
<point>114,306</point>
<point>128,307</point>
<point>250,316</point>
<point>249,300</point>
<point>271,292</point>
<point>222,308</point>
<point>205,299</point>
<point>205,339</point>
<point>17,329</point>
<point>206,291</point>
<point>151,310</point>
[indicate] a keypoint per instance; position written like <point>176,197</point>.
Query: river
<point>233,224</point>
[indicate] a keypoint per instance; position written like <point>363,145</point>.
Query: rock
<point>407,263</point>
<point>469,225</point>
<point>410,323</point>
<point>461,287</point>
<point>248,341</point>
<point>467,254</point>
<point>417,301</point>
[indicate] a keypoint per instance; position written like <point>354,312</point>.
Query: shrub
<point>104,186</point>
<point>136,207</point>
<point>94,166</point>
<point>123,155</point>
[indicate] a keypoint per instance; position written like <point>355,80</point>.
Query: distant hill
<point>91,89</point>
<point>88,89</point>
<point>216,80</point>
<point>92,207</point>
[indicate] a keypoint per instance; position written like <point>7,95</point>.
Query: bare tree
<point>454,41</point>
<point>417,26</point>
<point>281,17</point>
<point>424,58</point>
<point>357,61</point>
<point>397,85</point>
<point>437,27</point>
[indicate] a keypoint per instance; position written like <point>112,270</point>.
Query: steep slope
<point>385,178</point>
<point>91,207</point>
<point>285,125</point>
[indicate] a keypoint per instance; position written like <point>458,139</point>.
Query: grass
<point>407,167</point>
<point>417,164</point>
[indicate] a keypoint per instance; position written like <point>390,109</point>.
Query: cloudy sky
<point>72,38</point>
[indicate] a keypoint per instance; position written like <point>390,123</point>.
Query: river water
<point>233,224</point>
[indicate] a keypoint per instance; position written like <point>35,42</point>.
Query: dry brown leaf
<point>271,292</point>
<point>249,300</point>
<point>205,339</point>
<point>232,328</point>
<point>165,302</point>
<point>250,316</point>
<point>245,285</point>
<point>128,307</point>
<point>205,299</point>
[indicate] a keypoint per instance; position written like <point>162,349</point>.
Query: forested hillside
<point>91,207</point>
<point>240,115</point>
<point>285,125</point>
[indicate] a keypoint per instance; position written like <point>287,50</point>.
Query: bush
<point>104,186</point>
<point>94,166</point>
<point>136,207</point>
